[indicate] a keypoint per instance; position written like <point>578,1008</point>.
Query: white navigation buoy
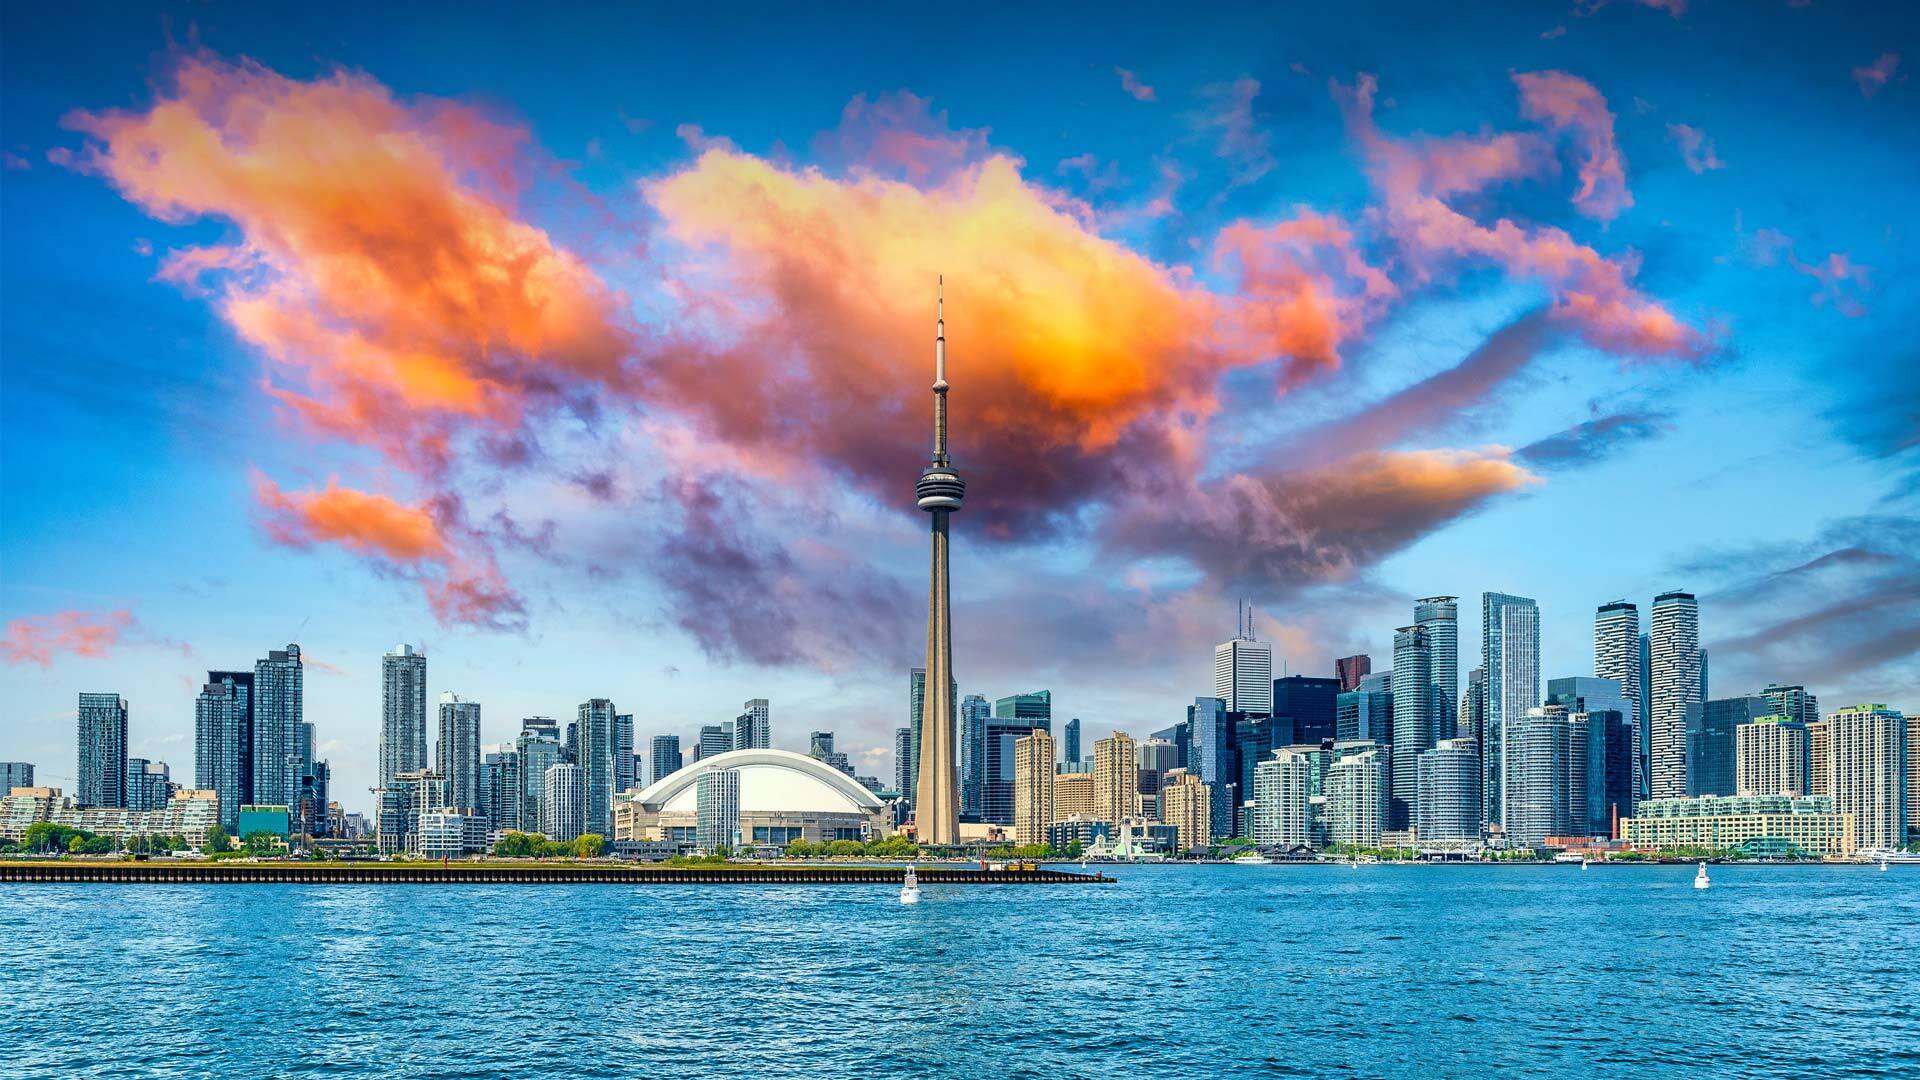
<point>1700,879</point>
<point>910,888</point>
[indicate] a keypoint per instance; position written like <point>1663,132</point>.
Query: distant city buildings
<point>1710,728</point>
<point>15,774</point>
<point>753,728</point>
<point>665,758</point>
<point>1185,805</point>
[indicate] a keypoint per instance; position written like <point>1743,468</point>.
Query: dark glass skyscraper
<point>595,755</point>
<point>1070,745</point>
<point>403,712</point>
<point>1304,710</point>
<point>1414,719</point>
<point>1711,740</point>
<point>278,709</point>
<point>223,741</point>
<point>974,713</point>
<point>1440,616</point>
<point>666,757</point>
<point>101,773</point>
<point>1209,757</point>
<point>459,763</point>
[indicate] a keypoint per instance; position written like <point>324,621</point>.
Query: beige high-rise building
<point>1819,759</point>
<point>1185,805</point>
<point>1073,796</point>
<point>1116,778</point>
<point>1032,788</point>
<point>1770,757</point>
<point>1869,776</point>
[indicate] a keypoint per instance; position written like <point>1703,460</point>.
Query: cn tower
<point>936,800</point>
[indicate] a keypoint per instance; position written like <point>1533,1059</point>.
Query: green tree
<point>846,847</point>
<point>260,842</point>
<point>589,845</point>
<point>518,845</point>
<point>217,840</point>
<point>1075,849</point>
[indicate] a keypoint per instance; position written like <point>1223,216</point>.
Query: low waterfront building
<point>449,834</point>
<point>275,820</point>
<point>1757,824</point>
<point>782,796</point>
<point>1087,832</point>
<point>1185,803</point>
<point>189,813</point>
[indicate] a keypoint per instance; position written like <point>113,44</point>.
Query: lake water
<point>1174,971</point>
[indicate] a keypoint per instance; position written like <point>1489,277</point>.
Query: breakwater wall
<point>403,873</point>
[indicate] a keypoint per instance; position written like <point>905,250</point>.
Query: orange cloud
<point>1569,104</point>
<point>37,639</point>
<point>411,541</point>
<point>820,292</point>
<point>1591,292</point>
<point>379,265</point>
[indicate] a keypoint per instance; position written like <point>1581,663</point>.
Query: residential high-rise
<point>625,764</point>
<point>1710,728</point>
<point>717,809</point>
<point>1676,684</point>
<point>1510,653</point>
<point>936,803</point>
<point>753,728</point>
<point>1819,758</point>
<point>1305,710</point>
<point>149,784</point>
<point>278,710</point>
<point>974,712</point>
<point>403,712</point>
<point>1210,760</point>
<point>1440,616</point>
<point>1413,719</point>
<point>1868,776</point>
<point>1116,780</point>
<point>1449,800</point>
<point>538,748</point>
<point>1770,757</point>
<point>1793,702</point>
<point>1282,798</point>
<point>1600,715</point>
<point>1070,744</point>
<point>223,741</point>
<point>15,774</point>
<point>1185,804</point>
<point>1357,798</point>
<point>101,774</point>
<point>1540,773</point>
<point>500,796</point>
<point>1243,670</point>
<point>1349,669</point>
<point>1913,777</point>
<point>595,756</point>
<point>561,800</point>
<point>1033,807</point>
<point>1616,656</point>
<point>666,758</point>
<point>459,758</point>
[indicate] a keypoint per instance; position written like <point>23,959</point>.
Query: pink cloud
<point>38,639</point>
<point>1567,103</point>
<point>1131,84</point>
<point>1839,280</point>
<point>1873,76</point>
<point>1695,148</point>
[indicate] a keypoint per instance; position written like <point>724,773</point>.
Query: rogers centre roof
<point>771,781</point>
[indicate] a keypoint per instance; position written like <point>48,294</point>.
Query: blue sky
<point>1189,264</point>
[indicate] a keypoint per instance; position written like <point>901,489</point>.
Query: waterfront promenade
<point>197,872</point>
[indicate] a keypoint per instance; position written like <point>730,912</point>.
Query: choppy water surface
<point>1175,971</point>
